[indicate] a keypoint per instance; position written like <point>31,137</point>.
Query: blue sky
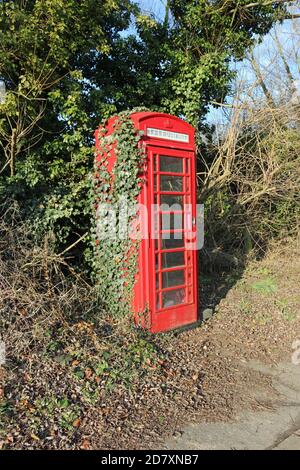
<point>156,7</point>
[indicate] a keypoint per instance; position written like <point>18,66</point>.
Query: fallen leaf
<point>85,445</point>
<point>76,423</point>
<point>88,373</point>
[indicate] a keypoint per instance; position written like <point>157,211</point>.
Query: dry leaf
<point>85,445</point>
<point>88,373</point>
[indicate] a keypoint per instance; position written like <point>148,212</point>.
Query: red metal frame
<point>148,294</point>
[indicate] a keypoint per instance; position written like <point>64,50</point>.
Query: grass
<point>265,286</point>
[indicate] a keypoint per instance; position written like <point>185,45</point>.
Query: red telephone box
<point>166,282</point>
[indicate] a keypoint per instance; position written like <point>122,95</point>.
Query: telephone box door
<point>173,258</point>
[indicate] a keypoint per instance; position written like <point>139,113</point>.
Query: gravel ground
<point>145,388</point>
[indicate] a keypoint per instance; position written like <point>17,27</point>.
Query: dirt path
<point>278,429</point>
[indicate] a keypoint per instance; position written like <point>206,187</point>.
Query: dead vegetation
<point>250,185</point>
<point>73,379</point>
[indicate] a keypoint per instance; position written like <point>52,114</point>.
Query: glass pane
<point>170,260</point>
<point>173,297</point>
<point>172,278</point>
<point>172,221</point>
<point>171,199</point>
<point>171,183</point>
<point>171,243</point>
<point>171,164</point>
<point>157,281</point>
<point>157,302</point>
<point>172,236</point>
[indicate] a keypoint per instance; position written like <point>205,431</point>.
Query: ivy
<point>115,259</point>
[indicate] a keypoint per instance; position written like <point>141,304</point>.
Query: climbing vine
<point>115,259</point>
